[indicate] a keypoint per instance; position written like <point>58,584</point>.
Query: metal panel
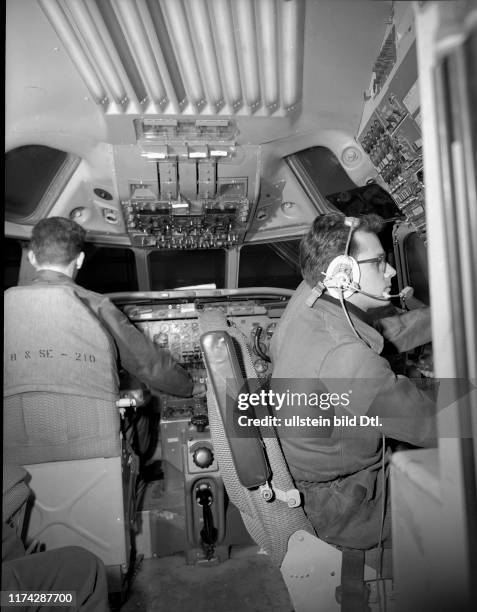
<point>80,503</point>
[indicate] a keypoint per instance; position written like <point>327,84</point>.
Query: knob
<point>203,457</point>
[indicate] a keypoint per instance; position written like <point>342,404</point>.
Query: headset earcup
<point>341,275</point>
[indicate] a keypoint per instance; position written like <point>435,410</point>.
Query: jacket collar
<point>361,320</point>
<point>52,277</point>
<point>351,308</point>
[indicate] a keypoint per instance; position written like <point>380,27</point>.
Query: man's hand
<point>412,303</point>
<point>199,389</point>
<point>408,329</point>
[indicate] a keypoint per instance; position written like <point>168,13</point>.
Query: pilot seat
<point>318,576</point>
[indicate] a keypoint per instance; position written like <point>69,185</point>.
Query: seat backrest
<point>60,378</point>
<point>246,447</point>
<point>270,523</point>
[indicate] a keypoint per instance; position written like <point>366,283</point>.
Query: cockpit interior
<point>195,142</point>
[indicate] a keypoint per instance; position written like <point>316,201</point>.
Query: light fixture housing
<point>185,57</point>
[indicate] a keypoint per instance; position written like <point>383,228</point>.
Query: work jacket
<point>137,354</point>
<point>316,350</point>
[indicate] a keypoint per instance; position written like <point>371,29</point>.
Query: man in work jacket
<point>326,342</point>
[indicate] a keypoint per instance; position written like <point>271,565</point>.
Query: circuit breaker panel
<point>391,132</point>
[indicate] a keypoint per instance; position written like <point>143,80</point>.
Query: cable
<point>256,345</point>
<point>379,561</point>
<point>350,322</point>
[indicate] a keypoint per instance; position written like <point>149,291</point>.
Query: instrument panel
<point>182,338</point>
<point>173,324</point>
<point>184,224</point>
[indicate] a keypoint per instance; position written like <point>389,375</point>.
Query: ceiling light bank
<point>185,57</point>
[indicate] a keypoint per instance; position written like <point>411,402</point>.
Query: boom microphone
<point>407,292</point>
<point>385,296</point>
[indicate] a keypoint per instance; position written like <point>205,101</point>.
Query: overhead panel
<point>191,57</point>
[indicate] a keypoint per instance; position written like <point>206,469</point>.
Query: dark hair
<point>326,239</point>
<point>57,240</point>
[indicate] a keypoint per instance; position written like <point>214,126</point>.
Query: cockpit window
<point>34,177</point>
<point>270,265</point>
<point>12,256</point>
<point>174,270</point>
<point>320,173</point>
<point>416,266</point>
<point>108,269</point>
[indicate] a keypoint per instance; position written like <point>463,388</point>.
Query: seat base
<point>311,570</point>
<point>80,503</point>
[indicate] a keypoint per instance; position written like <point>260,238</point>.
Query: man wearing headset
<point>327,340</point>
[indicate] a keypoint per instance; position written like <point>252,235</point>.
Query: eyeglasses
<point>380,260</point>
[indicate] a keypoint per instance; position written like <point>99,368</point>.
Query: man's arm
<point>406,329</point>
<point>141,357</point>
<point>405,412</point>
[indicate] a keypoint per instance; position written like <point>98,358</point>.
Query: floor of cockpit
<point>246,582</point>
